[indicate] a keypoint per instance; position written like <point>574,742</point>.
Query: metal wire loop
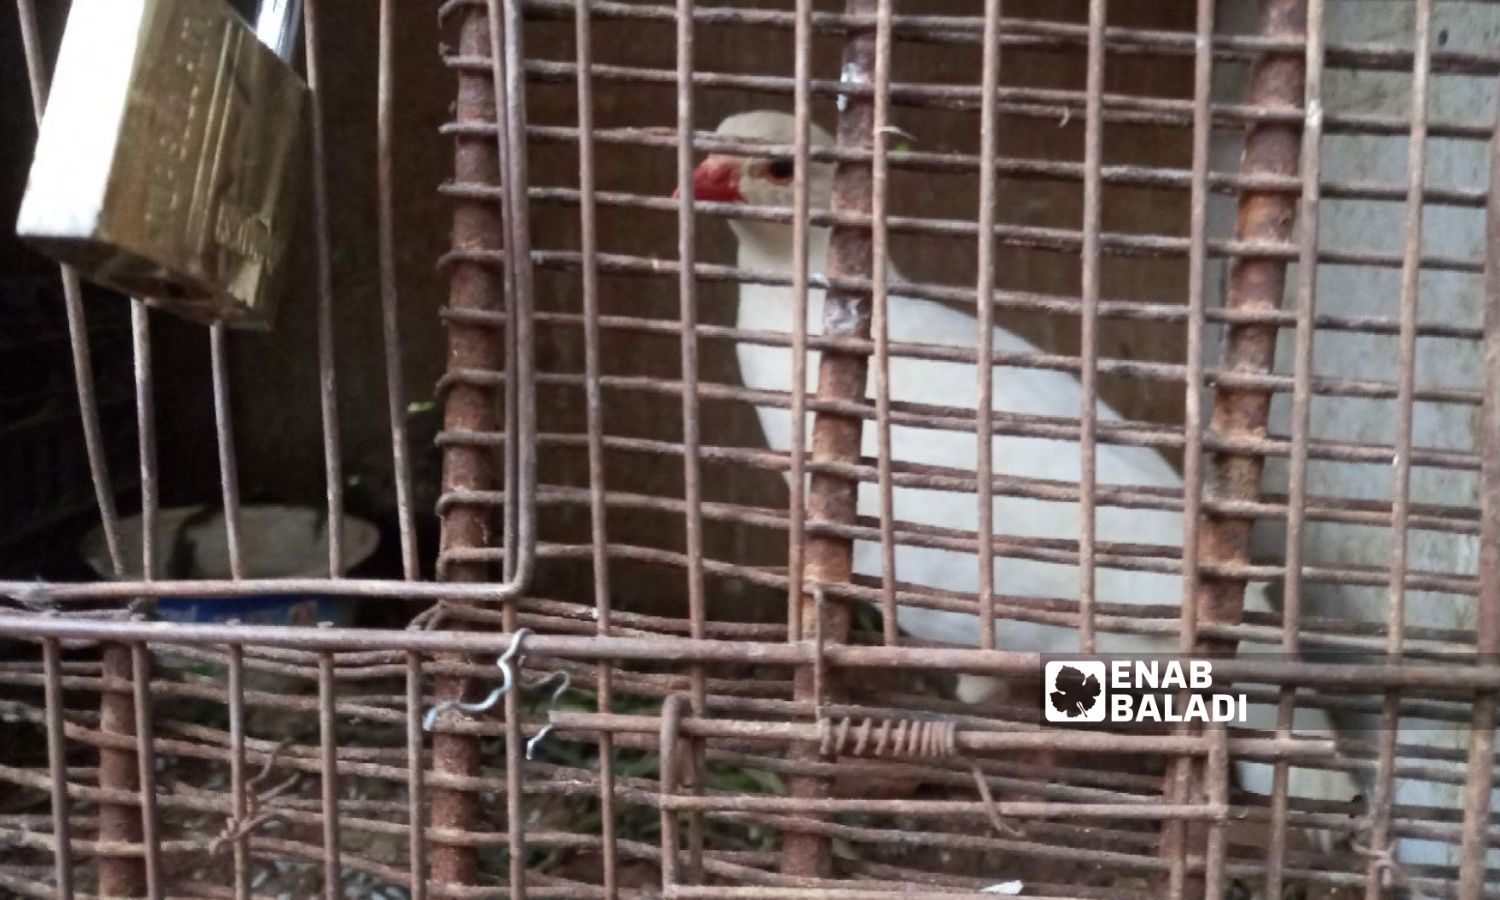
<point>564,681</point>
<point>508,681</point>
<point>235,828</point>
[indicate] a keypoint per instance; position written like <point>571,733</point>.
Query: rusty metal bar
<point>797,474</point>
<point>140,675</point>
<point>1390,718</point>
<point>1276,82</point>
<point>1162,177</point>
<point>1480,781</point>
<point>119,770</point>
<point>692,486</point>
<point>829,560</point>
<point>390,320</point>
<point>1301,431</point>
<point>880,256</point>
<point>333,467</point>
<point>961,417</point>
<point>984,290</point>
<point>594,422</point>
<point>125,876</point>
<point>1021,102</point>
<point>1021,300</point>
<point>1052,239</point>
<point>57,766</point>
<point>1217,778</point>
<point>328,746</point>
<point>975,811</point>
<point>1474,675</point>
<point>473,286</point>
<point>1180,775</point>
<point>507,52</point>
<point>416,790</point>
<point>976,741</point>
<point>488,237</point>
<point>668,753</point>
<point>238,796</point>
<point>1093,154</point>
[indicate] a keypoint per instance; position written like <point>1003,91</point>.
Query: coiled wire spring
<point>907,739</point>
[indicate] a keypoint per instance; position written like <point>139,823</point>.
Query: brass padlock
<point>169,158</point>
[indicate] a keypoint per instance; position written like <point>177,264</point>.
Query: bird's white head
<point>763,180</point>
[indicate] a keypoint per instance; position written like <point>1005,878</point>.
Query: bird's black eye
<point>780,169</point>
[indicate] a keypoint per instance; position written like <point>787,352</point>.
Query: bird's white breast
<point>950,389</point>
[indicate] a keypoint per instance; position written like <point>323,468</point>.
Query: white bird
<point>767,246</point>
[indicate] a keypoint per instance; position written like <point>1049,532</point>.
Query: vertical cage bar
<point>510,63</point>
<point>879,307</point>
<point>588,225</point>
<point>119,876</point>
<point>239,803</point>
<point>670,762</point>
<point>57,766</point>
<point>333,472</point>
<point>1180,771</point>
<point>1088,380</point>
<point>1218,797</point>
<point>145,403</point>
<point>480,288</point>
<point>146,755</point>
<point>984,293</point>
<point>1395,623</point>
<point>691,463</point>
<point>836,438</point>
<point>797,518</point>
<point>124,876</point>
<point>1301,432</point>
<point>1480,778</point>
<point>229,479</point>
<point>328,743</point>
<point>1255,284</point>
<point>416,860</point>
<point>688,310</point>
<point>390,320</point>
<point>507,50</point>
<point>140,665</point>
<point>515,821</point>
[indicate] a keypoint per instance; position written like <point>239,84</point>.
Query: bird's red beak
<point>717,178</point>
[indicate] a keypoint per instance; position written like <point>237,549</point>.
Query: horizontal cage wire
<point>808,379</point>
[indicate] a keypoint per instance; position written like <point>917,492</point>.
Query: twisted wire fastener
<point>483,706</point>
<point>235,829</point>
<point>509,680</point>
<point>1387,869</point>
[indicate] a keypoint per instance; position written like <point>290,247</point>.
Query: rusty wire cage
<point>1258,246</point>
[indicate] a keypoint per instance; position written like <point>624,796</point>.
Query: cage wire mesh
<point>733,559</point>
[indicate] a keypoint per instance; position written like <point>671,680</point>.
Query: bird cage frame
<point>456,741</point>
